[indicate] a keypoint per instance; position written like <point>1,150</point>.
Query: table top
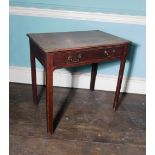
<point>59,41</point>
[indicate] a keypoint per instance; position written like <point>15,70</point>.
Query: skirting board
<point>65,78</point>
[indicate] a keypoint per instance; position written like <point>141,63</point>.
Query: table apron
<point>84,57</point>
<point>38,53</point>
<point>87,62</point>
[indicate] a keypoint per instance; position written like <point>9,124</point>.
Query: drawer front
<point>86,56</point>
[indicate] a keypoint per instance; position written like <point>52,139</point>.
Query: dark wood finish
<point>49,93</point>
<point>93,76</point>
<point>62,41</point>
<point>33,76</point>
<point>68,49</point>
<point>85,56</point>
<point>120,77</point>
<point>38,53</point>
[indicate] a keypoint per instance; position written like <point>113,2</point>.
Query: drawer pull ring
<point>114,50</point>
<point>74,59</point>
<point>106,53</point>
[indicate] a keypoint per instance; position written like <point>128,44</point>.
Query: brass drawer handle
<point>106,53</point>
<point>74,59</point>
<point>114,50</point>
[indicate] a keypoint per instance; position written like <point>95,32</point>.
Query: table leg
<point>93,76</point>
<point>119,82</point>
<point>49,99</point>
<point>33,76</point>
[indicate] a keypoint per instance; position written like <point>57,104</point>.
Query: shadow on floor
<point>63,108</point>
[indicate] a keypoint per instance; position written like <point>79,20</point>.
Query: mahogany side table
<point>68,49</point>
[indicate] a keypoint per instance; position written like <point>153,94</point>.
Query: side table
<point>69,49</point>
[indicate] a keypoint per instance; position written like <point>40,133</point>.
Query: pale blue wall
<point>19,46</point>
<point>20,25</point>
<point>133,7</point>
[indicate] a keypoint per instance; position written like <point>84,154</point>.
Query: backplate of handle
<point>74,59</point>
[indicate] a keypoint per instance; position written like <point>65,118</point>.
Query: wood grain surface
<point>52,42</point>
<point>84,123</point>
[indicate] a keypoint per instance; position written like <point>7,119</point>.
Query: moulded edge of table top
<point>124,42</point>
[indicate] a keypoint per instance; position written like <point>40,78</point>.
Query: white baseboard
<point>64,78</point>
<point>77,15</point>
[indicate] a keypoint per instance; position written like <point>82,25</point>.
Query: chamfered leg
<point>33,76</point>
<point>119,82</point>
<point>93,76</point>
<point>49,99</point>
